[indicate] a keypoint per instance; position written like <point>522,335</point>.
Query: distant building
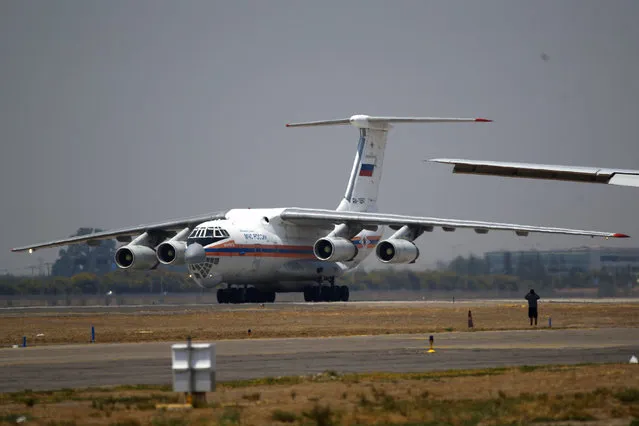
<point>560,262</point>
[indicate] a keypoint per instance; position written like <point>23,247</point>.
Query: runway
<point>72,366</point>
<point>208,307</point>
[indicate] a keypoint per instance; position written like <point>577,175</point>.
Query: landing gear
<point>311,294</point>
<point>333,293</point>
<point>244,295</point>
<point>344,293</point>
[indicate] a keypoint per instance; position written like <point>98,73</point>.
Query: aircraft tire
<point>344,293</point>
<point>253,295</point>
<point>221,296</point>
<point>337,293</point>
<point>327,294</point>
<point>314,294</point>
<point>237,296</point>
<point>269,297</point>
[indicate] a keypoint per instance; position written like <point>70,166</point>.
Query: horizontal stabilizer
<point>366,121</point>
<point>543,171</point>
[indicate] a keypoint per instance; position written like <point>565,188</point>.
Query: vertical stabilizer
<point>363,183</point>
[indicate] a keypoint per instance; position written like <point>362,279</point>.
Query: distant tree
<point>477,266</point>
<point>86,282</point>
<point>441,265</point>
<point>78,258</point>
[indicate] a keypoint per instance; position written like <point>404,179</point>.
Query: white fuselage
<point>273,255</point>
<point>265,252</point>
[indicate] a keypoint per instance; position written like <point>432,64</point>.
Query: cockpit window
<point>205,236</point>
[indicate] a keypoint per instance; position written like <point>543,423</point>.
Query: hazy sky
<point>118,113</point>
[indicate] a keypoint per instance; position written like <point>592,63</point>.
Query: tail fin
<point>363,184</point>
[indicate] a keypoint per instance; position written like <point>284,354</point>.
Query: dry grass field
<point>298,320</point>
<point>581,394</point>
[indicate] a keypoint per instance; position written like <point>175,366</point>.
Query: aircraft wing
<point>543,171</point>
<point>124,234</point>
<point>315,217</point>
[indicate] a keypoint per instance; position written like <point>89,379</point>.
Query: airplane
<point>252,254</point>
<point>599,175</point>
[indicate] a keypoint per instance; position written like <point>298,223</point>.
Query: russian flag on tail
<point>366,170</point>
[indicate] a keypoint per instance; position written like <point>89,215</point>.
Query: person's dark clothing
<point>532,298</point>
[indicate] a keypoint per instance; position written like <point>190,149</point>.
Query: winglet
<point>617,235</point>
<point>483,120</point>
<point>16,250</point>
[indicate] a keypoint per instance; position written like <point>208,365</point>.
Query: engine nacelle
<point>334,249</point>
<point>171,252</point>
<point>135,257</point>
<point>396,251</point>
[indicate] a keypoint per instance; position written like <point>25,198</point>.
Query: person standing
<point>532,299</point>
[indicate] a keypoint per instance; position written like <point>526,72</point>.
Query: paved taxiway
<point>282,306</point>
<point>54,367</point>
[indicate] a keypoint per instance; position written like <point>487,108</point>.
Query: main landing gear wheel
<point>311,294</point>
<point>344,293</point>
<point>337,293</point>
<point>240,295</point>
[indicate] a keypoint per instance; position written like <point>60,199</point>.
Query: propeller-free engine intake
<point>396,251</point>
<point>171,252</point>
<point>335,249</point>
<point>135,257</point>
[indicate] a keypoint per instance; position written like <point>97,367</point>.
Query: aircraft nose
<point>195,254</point>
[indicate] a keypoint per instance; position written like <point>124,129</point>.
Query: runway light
<point>431,340</point>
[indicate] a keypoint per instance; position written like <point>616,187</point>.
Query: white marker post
<point>194,370</point>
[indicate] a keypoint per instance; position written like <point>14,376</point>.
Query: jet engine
<point>396,251</point>
<point>135,256</point>
<point>171,252</point>
<point>334,249</point>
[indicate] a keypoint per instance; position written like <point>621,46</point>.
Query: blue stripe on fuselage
<point>256,250</point>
